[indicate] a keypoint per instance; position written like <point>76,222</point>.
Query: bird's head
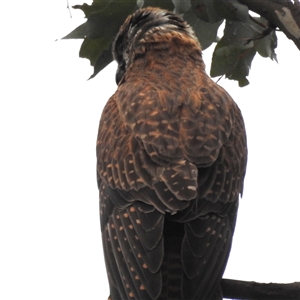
<point>148,28</point>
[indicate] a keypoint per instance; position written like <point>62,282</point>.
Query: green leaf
<point>106,8</point>
<point>239,34</point>
<point>103,60</point>
<point>165,4</point>
<point>205,10</point>
<point>231,61</point>
<point>103,23</point>
<point>97,6</point>
<point>79,33</point>
<point>267,45</point>
<point>206,32</point>
<point>231,10</point>
<point>90,48</point>
<point>104,18</point>
<point>181,6</point>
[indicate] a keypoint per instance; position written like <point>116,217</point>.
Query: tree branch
<point>236,289</point>
<point>283,14</point>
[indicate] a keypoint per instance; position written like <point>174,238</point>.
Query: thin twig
<point>68,7</point>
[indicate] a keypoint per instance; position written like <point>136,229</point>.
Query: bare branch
<point>236,289</point>
<point>68,7</point>
<point>282,14</point>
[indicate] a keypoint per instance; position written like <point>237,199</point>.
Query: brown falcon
<point>171,155</point>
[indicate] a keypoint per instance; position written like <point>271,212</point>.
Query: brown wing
<point>131,230</point>
<point>133,249</point>
<point>209,222</point>
<point>127,162</point>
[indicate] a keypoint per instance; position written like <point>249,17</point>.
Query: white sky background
<point>49,114</point>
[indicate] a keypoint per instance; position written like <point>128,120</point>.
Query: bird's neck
<point>166,47</point>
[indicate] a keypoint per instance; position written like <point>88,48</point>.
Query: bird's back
<point>171,159</point>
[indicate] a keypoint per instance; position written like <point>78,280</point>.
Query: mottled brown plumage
<point>171,160</point>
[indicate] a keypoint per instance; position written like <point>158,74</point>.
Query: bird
<point>171,161</point>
